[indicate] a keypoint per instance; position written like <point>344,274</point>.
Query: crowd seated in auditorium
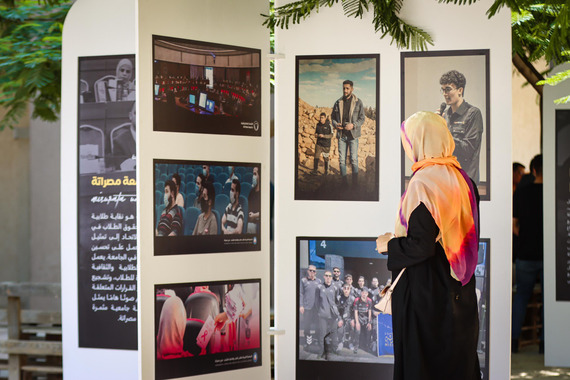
<point>231,97</point>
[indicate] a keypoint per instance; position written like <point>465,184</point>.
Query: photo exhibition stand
<point>556,164</point>
<point>99,42</point>
<point>308,223</point>
<point>196,95</point>
<point>201,84</point>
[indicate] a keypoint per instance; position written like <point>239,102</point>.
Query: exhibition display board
<point>187,160</point>
<point>556,198</point>
<point>335,194</point>
<point>195,104</point>
<point>203,176</point>
<point>98,182</point>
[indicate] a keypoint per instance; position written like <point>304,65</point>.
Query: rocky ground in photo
<point>313,183</point>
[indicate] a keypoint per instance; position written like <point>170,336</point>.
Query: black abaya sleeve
<point>419,245</point>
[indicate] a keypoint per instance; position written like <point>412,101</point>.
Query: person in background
<point>308,293</point>
<point>232,221</point>
<point>254,203</point>
<point>324,133</point>
<point>200,180</point>
<point>179,198</point>
<point>362,307</point>
<point>328,316</point>
<point>171,220</point>
<point>207,223</point>
<point>528,226</point>
<point>171,327</point>
<point>518,173</point>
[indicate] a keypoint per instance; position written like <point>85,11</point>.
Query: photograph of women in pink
<point>170,339</point>
<point>214,318</point>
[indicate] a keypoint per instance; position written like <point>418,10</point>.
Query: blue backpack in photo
<point>385,337</point>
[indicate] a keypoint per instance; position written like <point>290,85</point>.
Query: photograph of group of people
<point>107,114</point>
<point>455,85</point>
<point>207,327</point>
<point>203,207</point>
<point>337,128</point>
<point>339,283</point>
<point>203,87</point>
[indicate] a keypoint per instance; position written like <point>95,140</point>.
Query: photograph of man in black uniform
<point>337,282</point>
<point>328,316</point>
<point>308,293</point>
<point>359,286</point>
<point>465,122</point>
<point>346,322</point>
<point>324,133</point>
<point>362,319</point>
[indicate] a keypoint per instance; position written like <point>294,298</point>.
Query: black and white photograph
<point>107,236</point>
<point>340,332</point>
<point>207,327</point>
<point>562,175</point>
<point>206,206</point>
<point>455,85</point>
<point>204,87</point>
<point>336,137</point>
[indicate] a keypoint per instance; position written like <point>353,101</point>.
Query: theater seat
<point>222,201</point>
<point>190,217</point>
<point>159,303</point>
<point>218,187</point>
<point>201,305</point>
<point>245,189</point>
<point>218,220</point>
<point>244,207</point>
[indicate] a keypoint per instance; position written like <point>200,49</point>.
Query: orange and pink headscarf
<point>444,188</point>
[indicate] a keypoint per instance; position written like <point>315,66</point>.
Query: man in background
<point>528,226</point>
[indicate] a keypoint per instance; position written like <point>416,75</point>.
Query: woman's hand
<point>382,242</point>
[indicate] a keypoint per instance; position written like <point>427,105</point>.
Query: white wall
<point>452,27</point>
<point>557,334</point>
<point>92,28</point>
<point>224,22</point>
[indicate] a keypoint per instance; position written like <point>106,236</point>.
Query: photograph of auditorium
<point>206,206</point>
<point>207,327</point>
<point>202,87</point>
<point>336,138</point>
<point>339,331</point>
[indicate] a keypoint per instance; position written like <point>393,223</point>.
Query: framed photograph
<point>454,84</point>
<point>482,284</point>
<point>207,327</point>
<point>206,206</point>
<point>346,275</point>
<point>336,136</point>
<point>106,202</point>
<point>203,87</point>
<point>562,168</point>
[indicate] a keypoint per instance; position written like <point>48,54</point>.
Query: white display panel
<point>212,22</point>
<point>92,28</point>
<point>334,34</point>
<point>556,335</point>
